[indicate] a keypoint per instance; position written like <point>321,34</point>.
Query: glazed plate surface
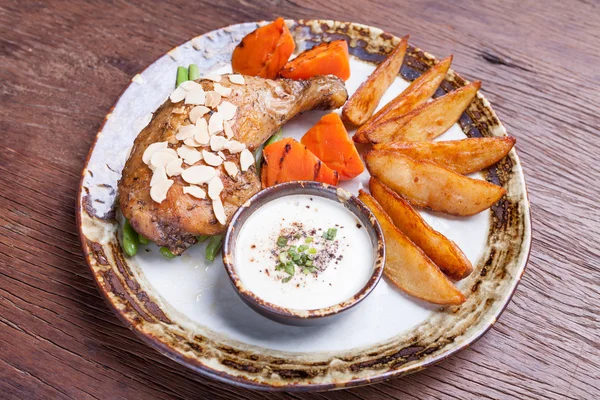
<point>187,309</point>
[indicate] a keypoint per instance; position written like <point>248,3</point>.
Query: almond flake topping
<point>195,96</point>
<point>227,110</point>
<point>153,148</point>
<point>185,132</point>
<point>159,185</point>
<point>174,168</point>
<point>211,158</point>
<point>234,146</point>
<point>198,174</point>
<point>237,79</point>
<point>215,187</point>
<point>192,142</point>
<point>195,191</point>
<point>215,123</point>
<point>189,154</point>
<point>178,95</point>
<point>163,157</point>
<point>227,129</point>
<point>201,136</point>
<point>231,169</point>
<point>213,77</point>
<point>219,211</point>
<point>212,99</point>
<point>222,90</point>
<point>217,143</point>
<point>222,155</point>
<point>246,159</point>
<point>188,86</point>
<point>198,112</point>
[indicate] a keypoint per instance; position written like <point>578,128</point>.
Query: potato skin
<point>425,184</point>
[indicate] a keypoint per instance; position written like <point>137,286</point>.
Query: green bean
<point>143,239</point>
<point>194,72</point>
<point>182,75</point>
<point>277,136</point>
<point>202,238</point>
<point>130,239</point>
<point>167,253</point>
<point>213,247</point>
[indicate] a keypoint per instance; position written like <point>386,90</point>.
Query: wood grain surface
<point>62,66</point>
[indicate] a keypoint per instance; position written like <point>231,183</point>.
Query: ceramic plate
<point>187,309</point>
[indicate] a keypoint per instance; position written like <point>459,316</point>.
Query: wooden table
<point>63,64</point>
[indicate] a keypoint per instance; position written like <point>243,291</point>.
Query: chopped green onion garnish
<point>312,250</point>
<point>283,257</point>
<point>193,73</point>
<point>302,248</point>
<point>330,234</point>
<point>182,75</point>
<point>289,268</point>
<point>282,241</point>
<point>305,271</point>
<point>309,263</point>
<point>286,280</point>
<point>308,240</point>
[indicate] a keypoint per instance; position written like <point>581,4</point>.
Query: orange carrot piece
<point>330,142</point>
<point>287,160</point>
<point>264,51</point>
<point>325,59</point>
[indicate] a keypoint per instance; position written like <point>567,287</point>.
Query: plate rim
<point>239,380</point>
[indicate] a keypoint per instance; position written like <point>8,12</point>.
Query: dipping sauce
<point>304,252</point>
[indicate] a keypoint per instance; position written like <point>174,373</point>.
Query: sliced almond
<point>202,135</point>
<point>159,175</point>
<point>198,174</point>
<point>215,124</point>
<point>189,154</point>
<point>222,90</point>
<point>215,187</point>
<point>227,129</point>
<point>174,168</point>
<point>153,148</point>
<point>211,158</point>
<point>212,99</point>
<point>227,110</point>
<point>222,155</point>
<point>186,131</point>
<point>234,146</point>
<point>231,169</point>
<point>237,79</point>
<point>196,96</point>
<point>158,192</point>
<point>246,160</point>
<point>198,112</point>
<point>163,157</point>
<point>213,77</point>
<point>190,85</point>
<point>192,142</point>
<point>217,143</point>
<point>219,211</point>
<point>178,95</point>
<point>195,191</point>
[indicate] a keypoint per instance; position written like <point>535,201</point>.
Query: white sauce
<point>345,263</point>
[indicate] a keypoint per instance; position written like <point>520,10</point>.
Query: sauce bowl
<point>300,316</point>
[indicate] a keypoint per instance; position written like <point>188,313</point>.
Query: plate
<point>187,309</point>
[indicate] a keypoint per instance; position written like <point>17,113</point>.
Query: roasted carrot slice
<point>362,104</point>
<point>264,51</point>
<point>330,142</point>
<point>419,91</point>
<point>288,160</point>
<point>325,59</point>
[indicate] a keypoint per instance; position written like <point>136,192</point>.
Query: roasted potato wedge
<point>427,121</point>
<point>461,156</point>
<point>441,250</point>
<point>425,184</point>
<point>362,104</point>
<point>407,267</point>
<point>419,91</point>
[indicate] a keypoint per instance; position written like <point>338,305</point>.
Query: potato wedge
<point>427,121</point>
<point>362,104</point>
<point>441,250</point>
<point>419,91</point>
<point>407,267</point>
<point>425,184</point>
<point>461,156</point>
